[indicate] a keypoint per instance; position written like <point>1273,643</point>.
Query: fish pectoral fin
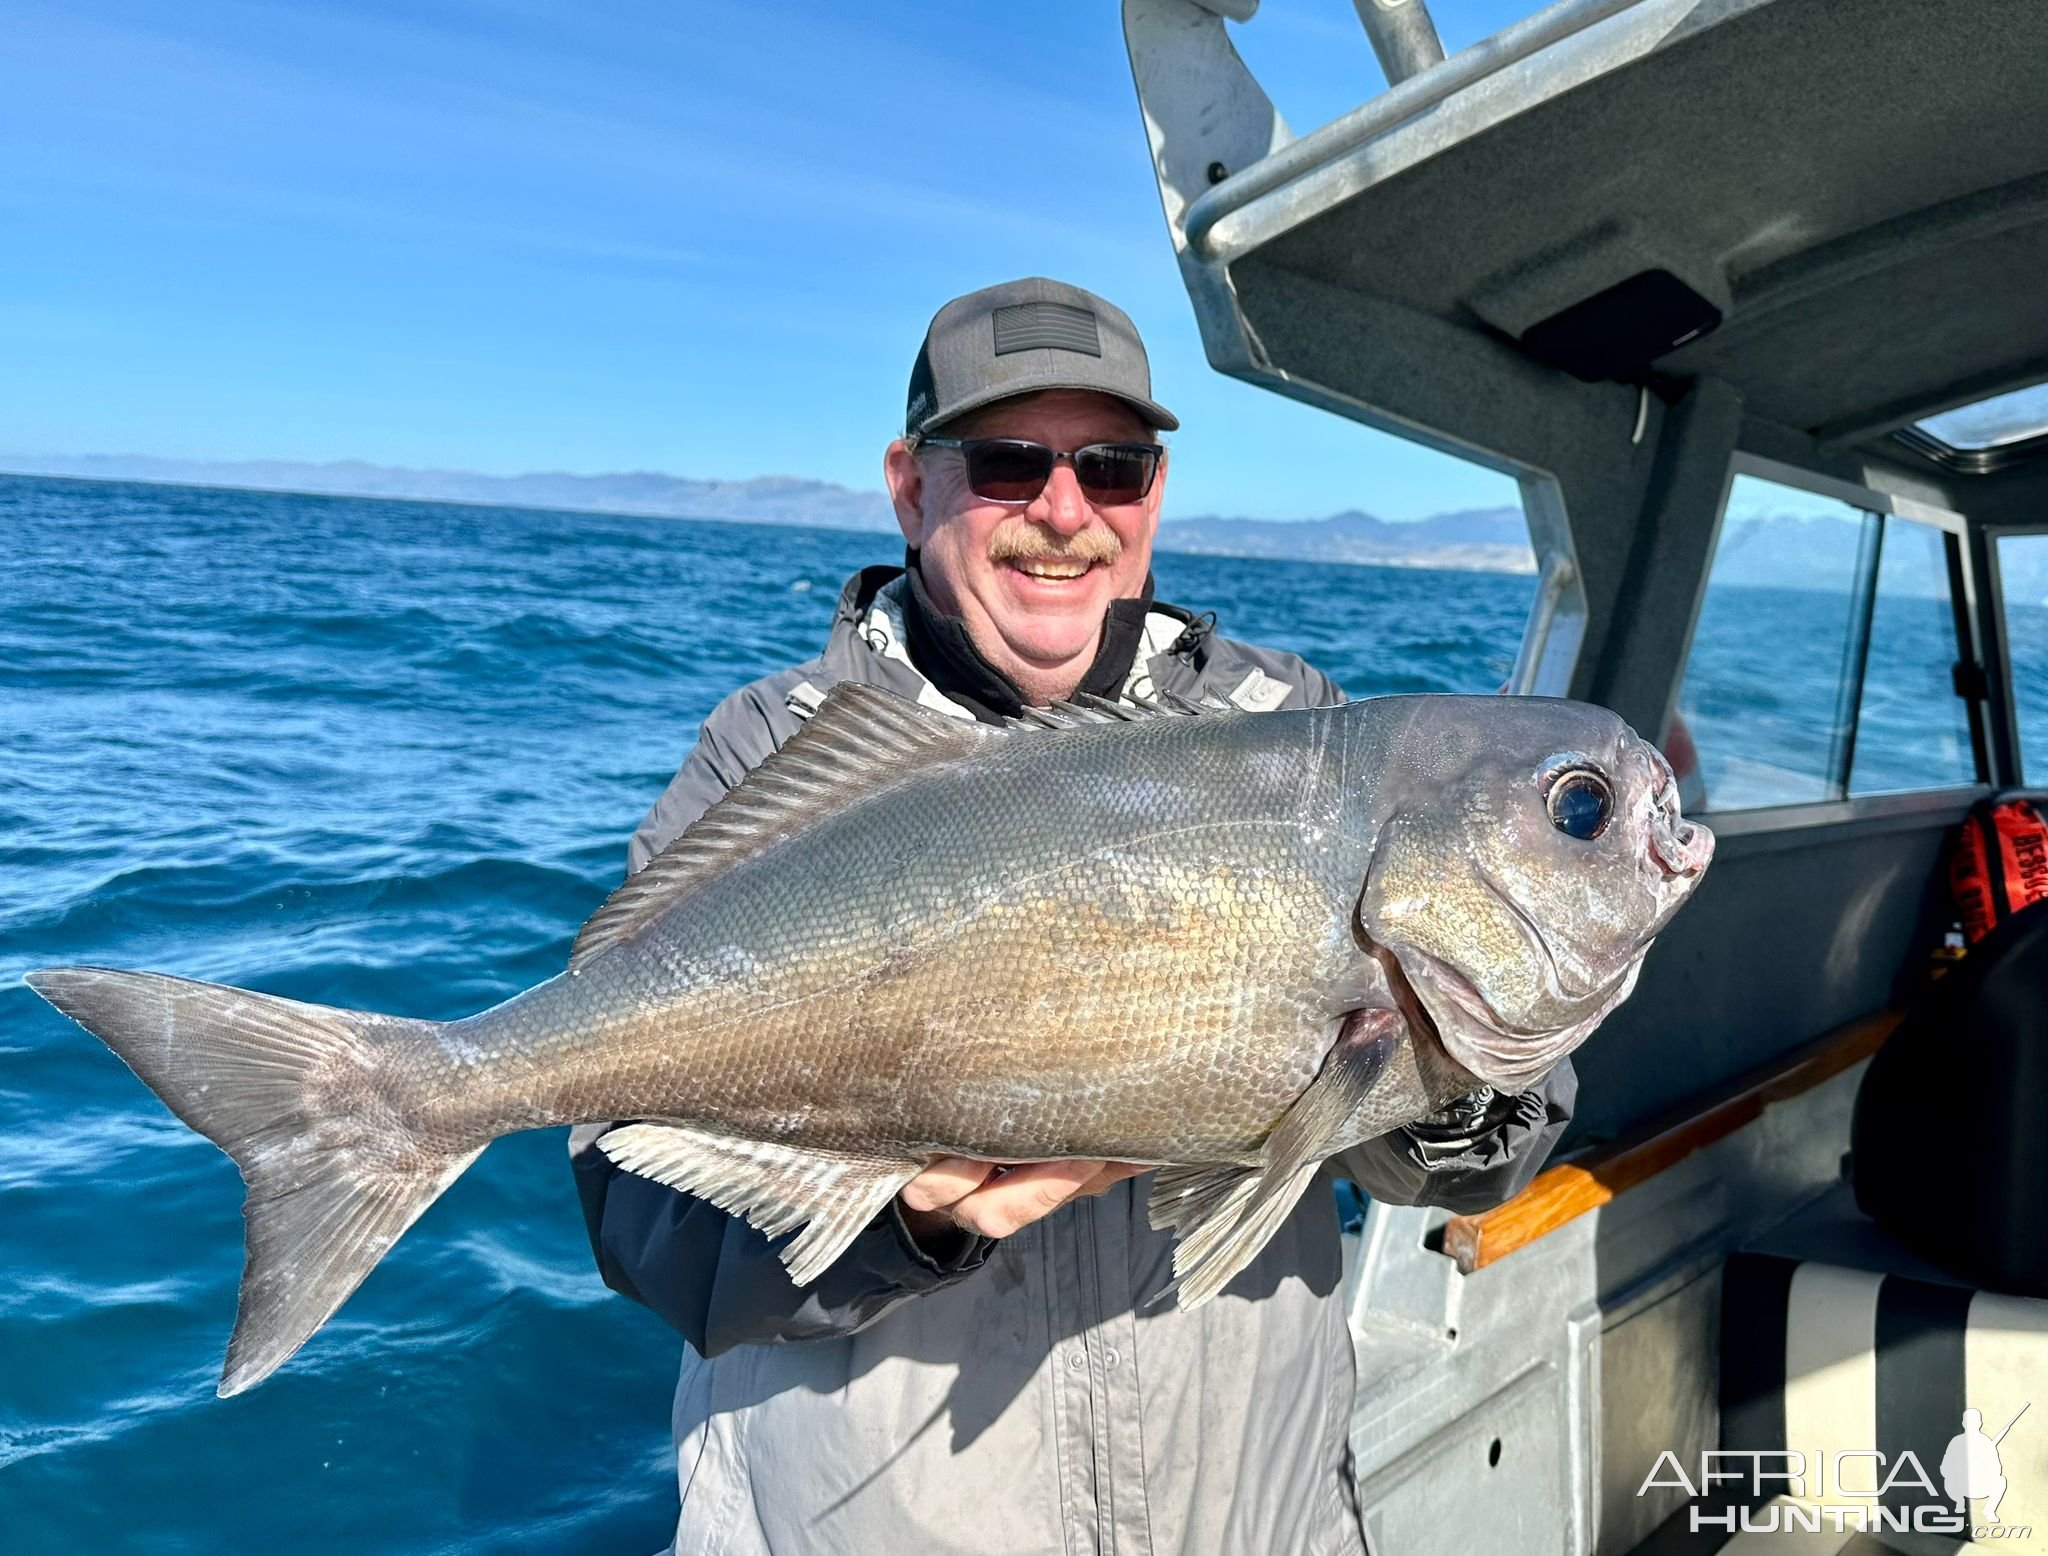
<point>1183,1198</point>
<point>1210,1255</point>
<point>1226,1215</point>
<point>1199,1205</point>
<point>774,1188</point>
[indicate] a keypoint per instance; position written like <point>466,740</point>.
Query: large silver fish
<point>1229,944</point>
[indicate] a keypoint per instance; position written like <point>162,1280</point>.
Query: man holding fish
<point>1038,1405</point>
<point>1029,892</point>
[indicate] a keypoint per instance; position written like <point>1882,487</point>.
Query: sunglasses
<point>1012,470</point>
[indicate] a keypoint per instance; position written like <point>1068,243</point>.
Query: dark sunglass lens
<point>1112,474</point>
<point>1008,472</point>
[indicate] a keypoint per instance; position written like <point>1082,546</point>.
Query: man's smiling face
<point>1030,581</point>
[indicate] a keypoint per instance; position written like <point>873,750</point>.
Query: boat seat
<point>1950,1151</point>
<point>1853,1370</point>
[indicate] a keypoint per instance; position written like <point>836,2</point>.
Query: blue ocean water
<point>386,755</point>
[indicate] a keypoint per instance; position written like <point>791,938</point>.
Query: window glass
<point>2023,579</point>
<point>1771,654</point>
<point>1913,731</point>
<point>1992,423</point>
<point>1822,664</point>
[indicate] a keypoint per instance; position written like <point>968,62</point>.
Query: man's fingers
<point>995,1202</point>
<point>945,1183</point>
<point>1110,1176</point>
<point>1021,1196</point>
<point>1031,1192</point>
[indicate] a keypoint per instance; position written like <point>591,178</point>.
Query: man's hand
<point>955,1194</point>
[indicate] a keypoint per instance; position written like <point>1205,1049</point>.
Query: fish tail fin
<point>306,1101</point>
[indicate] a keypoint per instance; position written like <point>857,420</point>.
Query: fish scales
<point>1228,945</point>
<point>1122,941</point>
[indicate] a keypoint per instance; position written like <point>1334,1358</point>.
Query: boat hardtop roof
<point>1867,222</point>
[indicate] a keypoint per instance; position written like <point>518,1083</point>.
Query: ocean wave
<point>95,1148</point>
<point>535,644</point>
<point>516,1272</point>
<point>33,1295</point>
<point>207,892</point>
<point>110,1422</point>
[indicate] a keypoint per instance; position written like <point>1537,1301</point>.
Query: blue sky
<point>696,236</point>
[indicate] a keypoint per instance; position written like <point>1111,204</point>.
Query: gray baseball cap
<point>1019,338</point>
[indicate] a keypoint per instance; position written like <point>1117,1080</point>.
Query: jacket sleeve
<point>709,1275</point>
<point>1468,1164</point>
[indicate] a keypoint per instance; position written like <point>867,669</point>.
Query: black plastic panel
<point>1618,333</point>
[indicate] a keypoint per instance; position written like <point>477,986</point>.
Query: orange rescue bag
<point>2000,864</point>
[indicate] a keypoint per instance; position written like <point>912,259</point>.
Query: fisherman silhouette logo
<point>1970,1467</point>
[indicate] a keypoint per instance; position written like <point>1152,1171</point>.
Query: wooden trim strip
<point>1567,1191</point>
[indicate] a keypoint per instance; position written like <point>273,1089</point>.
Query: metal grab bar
<point>1505,48</point>
<point>1402,36</point>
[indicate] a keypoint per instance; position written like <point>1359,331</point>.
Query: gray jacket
<point>1014,1398</point>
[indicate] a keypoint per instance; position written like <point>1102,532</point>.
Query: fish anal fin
<point>1224,1216</point>
<point>860,739</point>
<point>774,1188</point>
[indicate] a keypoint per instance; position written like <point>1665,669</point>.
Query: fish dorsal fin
<point>860,739</point>
<point>1088,709</point>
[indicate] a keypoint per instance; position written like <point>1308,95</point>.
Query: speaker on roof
<point>1618,333</point>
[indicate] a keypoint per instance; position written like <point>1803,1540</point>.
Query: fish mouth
<point>1683,849</point>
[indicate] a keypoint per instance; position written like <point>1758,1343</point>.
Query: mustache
<point>1019,540</point>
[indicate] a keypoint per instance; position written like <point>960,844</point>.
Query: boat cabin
<point>1747,295</point>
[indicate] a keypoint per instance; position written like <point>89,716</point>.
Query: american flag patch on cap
<point>1046,327</point>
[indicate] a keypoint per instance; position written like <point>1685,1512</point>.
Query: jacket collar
<point>939,648</point>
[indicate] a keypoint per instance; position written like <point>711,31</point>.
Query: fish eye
<point>1580,802</point>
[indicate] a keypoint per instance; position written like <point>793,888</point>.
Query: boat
<point>1739,291</point>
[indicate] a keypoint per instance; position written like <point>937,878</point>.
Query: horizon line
<point>10,467</point>
<point>1401,562</point>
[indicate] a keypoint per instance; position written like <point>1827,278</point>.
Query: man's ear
<point>906,491</point>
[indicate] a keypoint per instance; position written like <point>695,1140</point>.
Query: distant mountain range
<point>1765,547</point>
<point>1492,540</point>
<point>771,499</point>
<point>1793,549</point>
<point>1489,539</point>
